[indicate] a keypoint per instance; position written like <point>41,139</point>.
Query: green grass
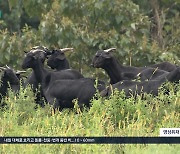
<point>115,116</point>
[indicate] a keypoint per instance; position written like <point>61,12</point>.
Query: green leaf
<point>133,26</point>
<point>119,19</point>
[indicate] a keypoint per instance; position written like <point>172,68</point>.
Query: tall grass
<point>113,116</point>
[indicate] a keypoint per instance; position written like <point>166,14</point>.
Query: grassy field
<point>114,116</point>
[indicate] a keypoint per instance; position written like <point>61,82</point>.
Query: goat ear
<point>61,57</point>
<point>107,56</point>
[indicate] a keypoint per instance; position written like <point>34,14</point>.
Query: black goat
<point>117,72</point>
<point>57,59</point>
<point>64,91</point>
<point>166,66</point>
<point>31,80</point>
<point>33,59</point>
<point>9,79</point>
<point>152,74</point>
<point>150,87</point>
<point>61,92</point>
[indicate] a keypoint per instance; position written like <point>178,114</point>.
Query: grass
<point>113,116</point>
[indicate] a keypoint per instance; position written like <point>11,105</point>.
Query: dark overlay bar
<point>89,140</point>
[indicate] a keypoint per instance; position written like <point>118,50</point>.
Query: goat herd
<point>60,86</point>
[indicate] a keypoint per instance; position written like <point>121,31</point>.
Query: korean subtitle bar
<point>89,140</point>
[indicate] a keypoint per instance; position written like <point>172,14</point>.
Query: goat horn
<point>7,67</point>
<point>2,68</point>
<point>66,49</point>
<point>110,49</point>
<point>37,50</point>
<point>111,88</point>
<point>45,47</point>
<point>35,47</point>
<point>19,72</point>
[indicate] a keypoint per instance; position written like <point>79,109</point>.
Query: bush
<point>115,116</point>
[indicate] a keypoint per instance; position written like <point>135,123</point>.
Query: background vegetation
<point>115,116</point>
<point>144,32</point>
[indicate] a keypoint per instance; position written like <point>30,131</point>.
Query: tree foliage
<point>89,25</point>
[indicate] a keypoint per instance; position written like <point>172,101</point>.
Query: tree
<point>142,33</point>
